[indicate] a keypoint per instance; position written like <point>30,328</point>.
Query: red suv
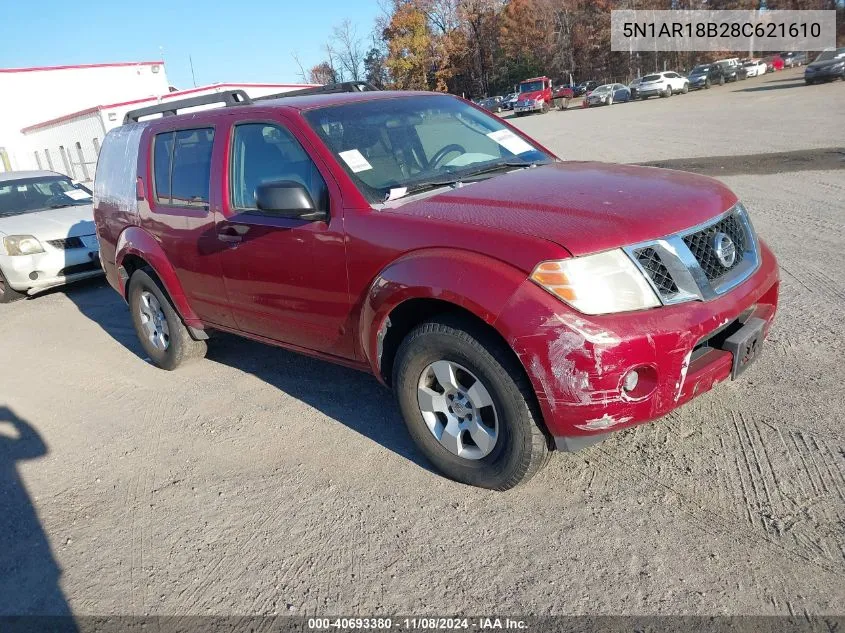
<point>514,303</point>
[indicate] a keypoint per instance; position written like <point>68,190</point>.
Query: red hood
<point>536,94</point>
<point>584,207</point>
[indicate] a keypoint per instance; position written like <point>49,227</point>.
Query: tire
<point>685,89</point>
<point>667,92</point>
<point>809,82</point>
<point>721,81</point>
<point>545,109</point>
<point>707,84</point>
<point>175,346</point>
<point>519,448</point>
<point>7,293</point>
<point>610,100</point>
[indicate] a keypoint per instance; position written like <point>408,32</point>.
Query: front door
<point>285,278</point>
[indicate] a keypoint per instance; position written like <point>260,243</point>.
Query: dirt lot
<point>258,481</point>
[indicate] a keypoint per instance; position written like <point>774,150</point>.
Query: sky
<point>235,41</point>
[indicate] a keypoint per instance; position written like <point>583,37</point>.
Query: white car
<point>47,235</point>
<point>755,68</point>
<point>664,84</point>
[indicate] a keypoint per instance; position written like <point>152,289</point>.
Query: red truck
<point>513,302</point>
<point>535,95</point>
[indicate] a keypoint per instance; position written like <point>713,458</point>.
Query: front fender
<point>136,241</point>
<point>480,284</point>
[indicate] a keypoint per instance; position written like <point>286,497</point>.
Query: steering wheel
<point>443,152</point>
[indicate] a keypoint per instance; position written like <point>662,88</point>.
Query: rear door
<point>178,212</point>
<point>285,278</point>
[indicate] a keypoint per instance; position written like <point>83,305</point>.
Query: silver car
<point>47,235</point>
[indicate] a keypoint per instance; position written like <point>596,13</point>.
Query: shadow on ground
<point>29,574</point>
<point>773,85</point>
<point>353,398</point>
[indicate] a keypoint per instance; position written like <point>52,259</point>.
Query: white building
<point>55,118</point>
<point>31,95</point>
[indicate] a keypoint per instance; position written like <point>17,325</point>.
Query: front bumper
<point>698,83</point>
<point>825,73</point>
<point>528,108</point>
<point>54,267</point>
<point>577,363</point>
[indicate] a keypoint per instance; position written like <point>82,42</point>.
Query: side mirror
<point>287,199</point>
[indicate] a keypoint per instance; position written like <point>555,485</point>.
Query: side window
<point>263,152</point>
<point>182,166</point>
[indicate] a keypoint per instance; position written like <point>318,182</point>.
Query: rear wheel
<point>721,81</point>
<point>7,293</point>
<point>545,107</point>
<point>468,405</point>
<point>159,328</point>
<point>707,84</point>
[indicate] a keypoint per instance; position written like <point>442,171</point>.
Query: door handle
<point>232,234</point>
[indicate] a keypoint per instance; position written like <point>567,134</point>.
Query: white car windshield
<point>602,89</point>
<point>392,147</point>
<point>26,195</point>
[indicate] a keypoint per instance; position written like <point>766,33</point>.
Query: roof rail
<point>344,86</point>
<point>170,108</point>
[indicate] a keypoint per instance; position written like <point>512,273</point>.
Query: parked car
<point>506,320</point>
<point>585,87</point>
<point>47,235</point>
<point>732,70</point>
<point>792,59</point>
<point>608,94</point>
<point>774,63</point>
<point>561,96</point>
<point>493,104</point>
<point>829,65</point>
<point>535,95</point>
<point>705,75</point>
<point>755,68</point>
<point>633,87</point>
<point>510,100</point>
<point>664,84</point>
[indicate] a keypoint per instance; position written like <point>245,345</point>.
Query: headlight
<point>22,245</point>
<point>597,284</point>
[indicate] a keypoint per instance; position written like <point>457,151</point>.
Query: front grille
<point>700,244</point>
<point>657,271</point>
<point>67,243</point>
<point>80,268</point>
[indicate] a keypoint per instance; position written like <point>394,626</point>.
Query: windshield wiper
<point>471,176</point>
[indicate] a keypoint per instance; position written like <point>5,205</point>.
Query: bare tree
<point>349,50</point>
<point>302,74</point>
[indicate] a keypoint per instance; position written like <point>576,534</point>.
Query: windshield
<point>36,194</point>
<point>389,146</point>
<point>699,70</point>
<point>826,55</point>
<point>602,89</point>
<point>531,86</point>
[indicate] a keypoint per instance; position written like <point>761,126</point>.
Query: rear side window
<point>182,167</point>
<point>117,168</point>
<point>651,78</point>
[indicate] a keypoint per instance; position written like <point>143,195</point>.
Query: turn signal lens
<point>597,284</point>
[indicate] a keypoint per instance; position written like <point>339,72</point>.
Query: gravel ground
<point>261,482</point>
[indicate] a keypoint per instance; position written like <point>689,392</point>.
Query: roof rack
<point>344,86</point>
<point>229,98</point>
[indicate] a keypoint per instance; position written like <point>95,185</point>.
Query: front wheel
<point>7,293</point>
<point>610,100</point>
<point>809,82</point>
<point>707,85</point>
<point>721,81</point>
<point>163,336</point>
<point>685,89</point>
<point>468,405</point>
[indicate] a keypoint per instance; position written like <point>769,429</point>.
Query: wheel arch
<point>135,249</point>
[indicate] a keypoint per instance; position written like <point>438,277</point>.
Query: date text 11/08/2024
<point>424,623</point>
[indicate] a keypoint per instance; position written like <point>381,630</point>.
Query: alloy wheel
<point>153,321</point>
<point>458,410</point>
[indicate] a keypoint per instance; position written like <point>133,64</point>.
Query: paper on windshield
<point>395,193</point>
<point>355,160</point>
<point>510,141</point>
<point>77,194</point>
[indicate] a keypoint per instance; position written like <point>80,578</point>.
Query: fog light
<point>632,378</point>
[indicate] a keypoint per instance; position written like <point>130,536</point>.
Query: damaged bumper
<point>578,364</point>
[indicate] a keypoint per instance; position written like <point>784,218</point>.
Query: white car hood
<point>51,223</point>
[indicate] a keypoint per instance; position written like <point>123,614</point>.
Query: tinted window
<point>262,153</point>
<point>182,165</point>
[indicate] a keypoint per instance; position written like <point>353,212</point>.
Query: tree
<point>375,71</point>
<point>409,42</point>
<point>322,73</point>
<point>349,51</point>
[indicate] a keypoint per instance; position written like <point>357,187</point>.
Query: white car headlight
<point>597,284</point>
<point>22,245</point>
